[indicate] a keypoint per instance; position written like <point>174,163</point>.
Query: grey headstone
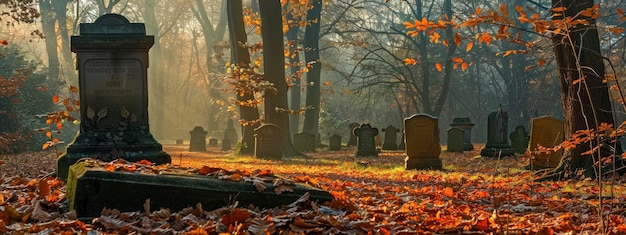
<point>497,135</point>
<point>391,138</point>
<point>402,145</point>
<point>112,63</point>
<point>268,142</point>
<point>352,140</point>
<point>179,141</point>
<point>455,139</point>
<point>366,144</point>
<point>304,142</point>
<point>212,142</point>
<point>230,132</point>
<point>197,142</point>
<point>226,145</point>
<point>465,124</point>
<point>334,142</point>
<point>519,139</point>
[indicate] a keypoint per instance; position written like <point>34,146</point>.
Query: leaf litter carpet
<point>473,195</point>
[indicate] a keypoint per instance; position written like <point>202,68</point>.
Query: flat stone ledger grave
<point>547,132</point>
<point>91,188</point>
<point>422,142</point>
<point>112,60</point>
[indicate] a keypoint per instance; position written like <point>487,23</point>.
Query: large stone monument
<point>112,63</point>
<point>465,124</point>
<point>366,143</point>
<point>546,132</point>
<point>497,135</point>
<point>391,138</point>
<point>422,142</point>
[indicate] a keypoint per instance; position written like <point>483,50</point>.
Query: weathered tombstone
<point>352,140</point>
<point>366,145</point>
<point>391,138</point>
<point>226,145</point>
<point>230,132</point>
<point>402,145</point>
<point>519,139</point>
<point>497,135</point>
<point>422,142</point>
<point>455,140</point>
<point>197,142</point>
<point>268,141</point>
<point>304,142</point>
<point>212,142</point>
<point>179,141</point>
<point>112,60</point>
<point>465,124</point>
<point>334,142</point>
<point>547,132</point>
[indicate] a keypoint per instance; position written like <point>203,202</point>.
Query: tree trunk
<point>48,27</point>
<point>586,104</point>
<point>155,72</point>
<point>294,59</point>
<point>312,56</point>
<point>60,9</point>
<point>241,57</point>
<point>274,71</point>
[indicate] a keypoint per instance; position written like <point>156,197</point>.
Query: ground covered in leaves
<point>473,195</point>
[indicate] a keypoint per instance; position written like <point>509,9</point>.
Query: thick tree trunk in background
<point>312,55</point>
<point>60,9</point>
<point>294,58</point>
<point>274,71</point>
<point>585,104</point>
<point>156,81</point>
<point>48,27</point>
<point>241,56</point>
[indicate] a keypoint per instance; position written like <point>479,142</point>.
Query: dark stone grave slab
<point>391,138</point>
<point>497,135</point>
<point>112,63</point>
<point>230,133</point>
<point>422,142</point>
<point>402,145</point>
<point>455,140</point>
<point>212,142</point>
<point>352,140</point>
<point>179,141</point>
<point>465,124</point>
<point>519,139</point>
<point>304,142</point>
<point>268,142</point>
<point>334,142</point>
<point>91,189</point>
<point>197,141</point>
<point>226,145</point>
<point>366,144</point>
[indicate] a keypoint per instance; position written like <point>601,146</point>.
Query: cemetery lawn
<point>472,195</point>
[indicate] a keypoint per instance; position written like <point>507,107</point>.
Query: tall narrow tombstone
<point>230,132</point>
<point>519,139</point>
<point>112,60</point>
<point>334,142</point>
<point>422,142</point>
<point>226,145</point>
<point>366,145</point>
<point>402,145</point>
<point>352,140</point>
<point>304,142</point>
<point>197,141</point>
<point>268,142</point>
<point>465,124</point>
<point>455,139</point>
<point>391,138</point>
<point>547,132</point>
<point>497,135</point>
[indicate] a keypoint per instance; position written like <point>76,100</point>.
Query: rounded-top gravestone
<point>497,135</point>
<point>366,143</point>
<point>197,142</point>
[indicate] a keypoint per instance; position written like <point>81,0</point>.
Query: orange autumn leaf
<point>439,67</point>
<point>485,38</point>
<point>448,192</point>
<point>4,42</point>
<point>43,188</point>
<point>410,61</point>
<point>457,39</point>
<point>541,62</point>
<point>110,168</point>
<point>464,66</point>
<point>236,177</point>
<point>73,89</point>
<point>55,99</point>
<point>469,46</point>
<point>457,60</point>
<point>616,30</point>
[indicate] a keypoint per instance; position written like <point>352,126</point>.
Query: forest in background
<point>363,51</point>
